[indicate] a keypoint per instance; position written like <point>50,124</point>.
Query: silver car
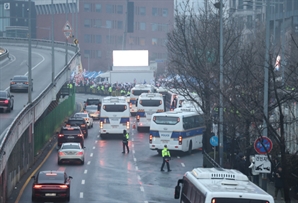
<point>20,83</point>
<point>71,151</point>
<point>87,118</point>
<point>92,110</point>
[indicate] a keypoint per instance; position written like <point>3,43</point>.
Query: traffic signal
<point>75,41</point>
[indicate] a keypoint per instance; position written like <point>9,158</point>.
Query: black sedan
<point>20,83</point>
<point>6,101</point>
<point>51,186</point>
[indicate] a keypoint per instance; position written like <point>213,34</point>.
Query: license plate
<point>165,141</point>
<point>114,119</point>
<point>50,194</point>
<point>70,137</point>
<point>114,126</point>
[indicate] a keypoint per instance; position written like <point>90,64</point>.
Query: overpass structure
<point>15,162</point>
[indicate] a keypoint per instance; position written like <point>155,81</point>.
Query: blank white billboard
<point>130,58</point>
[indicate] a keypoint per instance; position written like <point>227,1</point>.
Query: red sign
<point>263,145</point>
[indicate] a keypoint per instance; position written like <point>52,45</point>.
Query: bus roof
<point>219,180</point>
<point>142,86</point>
<point>175,113</point>
<point>151,95</point>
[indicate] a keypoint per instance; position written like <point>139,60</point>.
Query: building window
<point>87,38</point>
<point>109,24</point>
<point>87,7</point>
<point>87,53</point>
<point>120,25</point>
<point>98,39</point>
<point>142,11</point>
<point>154,11</point>
<point>120,39</point>
<point>87,23</point>
<point>142,41</point>
<point>97,23</point>
<point>154,26</point>
<point>164,12</point>
<point>109,8</point>
<point>142,26</point>
<point>154,41</point>
<point>98,54</point>
<point>119,9</point>
<point>98,8</point>
<point>164,27</point>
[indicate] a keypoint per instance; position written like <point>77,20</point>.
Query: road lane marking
<point>85,172</point>
<point>137,168</point>
<point>139,177</point>
<point>91,155</point>
<point>182,164</point>
<point>142,189</point>
<point>83,182</point>
<point>135,159</point>
<point>133,145</point>
<point>88,163</point>
<point>95,141</point>
<point>145,201</point>
<point>81,195</point>
<point>178,157</point>
<point>133,151</point>
<point>93,147</point>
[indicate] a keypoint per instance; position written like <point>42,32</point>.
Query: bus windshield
<point>149,102</point>
<point>139,92</point>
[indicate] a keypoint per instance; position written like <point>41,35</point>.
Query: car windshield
<point>20,78</point>
<point>70,146</point>
<point>3,94</point>
<point>51,177</point>
<point>91,108</point>
<point>81,115</point>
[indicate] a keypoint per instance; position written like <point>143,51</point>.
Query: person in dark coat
<point>278,182</point>
<point>242,163</point>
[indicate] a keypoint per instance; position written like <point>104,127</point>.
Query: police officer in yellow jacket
<point>166,156</point>
<point>125,141</point>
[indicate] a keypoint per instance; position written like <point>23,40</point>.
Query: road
<point>110,176</point>
<point>41,74</point>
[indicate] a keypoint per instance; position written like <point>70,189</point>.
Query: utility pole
<point>125,27</point>
<point>52,43</point>
<point>221,84</point>
<point>66,42</point>
<point>29,54</point>
<point>266,80</point>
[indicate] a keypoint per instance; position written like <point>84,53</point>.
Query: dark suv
<point>93,101</point>
<point>78,121</point>
<point>70,134</point>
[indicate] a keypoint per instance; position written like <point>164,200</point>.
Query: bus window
<point>166,120</point>
<point>114,108</point>
<point>149,102</point>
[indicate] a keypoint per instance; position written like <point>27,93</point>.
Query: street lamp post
<point>52,42</point>
<point>29,54</point>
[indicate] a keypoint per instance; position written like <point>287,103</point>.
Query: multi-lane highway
<point>110,176</point>
<point>18,65</point>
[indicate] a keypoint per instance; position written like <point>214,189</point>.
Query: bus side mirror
<point>177,192</point>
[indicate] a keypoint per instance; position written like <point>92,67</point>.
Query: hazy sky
<point>196,3</point>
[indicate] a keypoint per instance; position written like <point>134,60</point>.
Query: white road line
<point>83,182</point>
<point>95,141</point>
<point>178,157</point>
<point>145,201</point>
<point>139,177</point>
<point>93,147</point>
<point>135,159</point>
<point>132,139</point>
<point>81,195</point>
<point>142,189</point>
<point>97,136</point>
<point>85,171</point>
<point>91,155</point>
<point>137,168</point>
<point>133,151</point>
<point>182,164</point>
<point>88,163</point>
<point>133,145</point>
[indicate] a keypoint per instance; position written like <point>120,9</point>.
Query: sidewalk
<point>271,189</point>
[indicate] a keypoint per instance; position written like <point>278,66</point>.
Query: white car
<point>87,118</point>
<point>71,151</point>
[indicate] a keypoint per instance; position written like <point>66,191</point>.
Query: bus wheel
<point>190,148</point>
<point>159,152</point>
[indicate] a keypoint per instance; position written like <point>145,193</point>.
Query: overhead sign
<point>263,145</point>
<point>6,6</point>
<point>214,141</point>
<point>262,164</point>
<point>67,29</point>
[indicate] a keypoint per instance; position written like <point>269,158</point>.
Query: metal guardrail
<point>31,112</point>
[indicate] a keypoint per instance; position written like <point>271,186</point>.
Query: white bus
<point>148,104</point>
<point>114,116</point>
<point>179,130</point>
<point>135,92</point>
<point>217,185</point>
